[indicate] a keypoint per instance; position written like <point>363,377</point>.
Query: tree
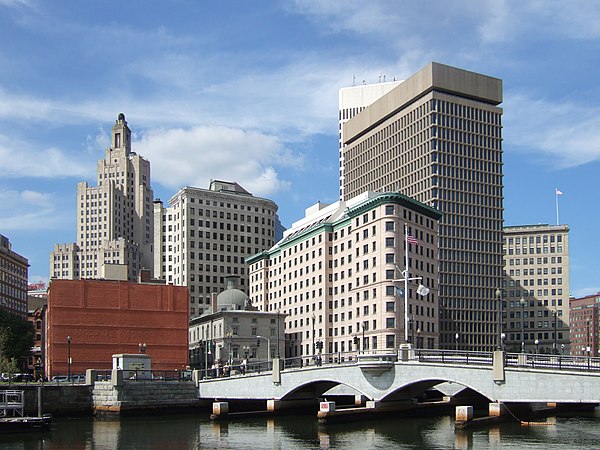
<point>16,339</point>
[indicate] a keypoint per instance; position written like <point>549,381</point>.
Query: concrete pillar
<point>498,366</point>
<point>406,352</point>
<point>116,377</point>
<point>359,399</point>
<point>196,376</point>
<point>497,409</point>
<point>522,359</point>
<point>273,405</point>
<point>277,365</point>
<point>90,376</point>
<point>597,411</point>
<point>220,409</point>
<point>464,413</point>
<point>373,404</point>
<point>326,406</point>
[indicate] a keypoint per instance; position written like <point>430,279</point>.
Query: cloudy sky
<point>247,91</point>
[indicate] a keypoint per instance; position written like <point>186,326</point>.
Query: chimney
<point>213,302</point>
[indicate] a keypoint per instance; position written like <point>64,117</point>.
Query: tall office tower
<point>353,100</point>
<point>205,235</point>
<point>114,222</point>
<point>584,325</point>
<point>13,279</point>
<point>337,275</point>
<point>536,266</point>
<point>437,137</point>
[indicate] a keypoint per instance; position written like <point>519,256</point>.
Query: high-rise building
<point>114,218</point>
<point>584,321</point>
<point>337,275</point>
<point>437,137</point>
<point>13,279</point>
<point>205,235</point>
<point>353,100</point>
<point>536,266</point>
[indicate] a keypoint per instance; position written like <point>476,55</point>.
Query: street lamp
<point>555,350</point>
<point>418,337</point>
<point>313,334</point>
<point>537,346</point>
<point>277,350</point>
<point>268,344</point>
<point>363,336</point>
<point>523,302</point>
<point>456,336</point>
<point>229,359</point>
<point>498,339</point>
<point>68,358</point>
<point>503,336</point>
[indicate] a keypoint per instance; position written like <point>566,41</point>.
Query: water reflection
<point>299,432</point>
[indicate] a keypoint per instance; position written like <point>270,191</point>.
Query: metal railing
<point>554,362</point>
<point>454,357</point>
<point>146,375</point>
<point>13,401</point>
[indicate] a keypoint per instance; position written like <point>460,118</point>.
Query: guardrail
<point>146,375</point>
<point>454,356</point>
<point>13,401</point>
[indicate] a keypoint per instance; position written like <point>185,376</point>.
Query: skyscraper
<point>204,235</point>
<point>114,218</point>
<point>13,279</point>
<point>437,137</point>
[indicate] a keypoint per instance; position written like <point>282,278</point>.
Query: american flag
<point>411,240</point>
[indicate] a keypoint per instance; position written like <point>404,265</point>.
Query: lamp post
<point>229,359</point>
<point>522,302</point>
<point>277,350</point>
<point>363,336</point>
<point>411,323</point>
<point>68,358</point>
<point>456,336</point>
<point>587,338</point>
<point>555,349</point>
<point>537,346</point>
<point>418,337</point>
<point>268,345</point>
<point>503,337</point>
<point>499,326</point>
<point>313,334</point>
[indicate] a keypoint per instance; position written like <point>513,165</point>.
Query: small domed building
<point>233,330</point>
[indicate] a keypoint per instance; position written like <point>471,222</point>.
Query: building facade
<point>90,320</point>
<point>233,331</point>
<point>584,322</point>
<point>536,270</point>
<point>13,279</point>
<point>205,235</point>
<point>337,276</point>
<point>353,100</point>
<point>114,218</point>
<point>437,137</point>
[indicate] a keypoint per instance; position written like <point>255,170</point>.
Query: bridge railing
<point>454,356</point>
<point>338,358</point>
<point>556,362</point>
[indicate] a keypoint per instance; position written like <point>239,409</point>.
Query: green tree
<point>16,338</point>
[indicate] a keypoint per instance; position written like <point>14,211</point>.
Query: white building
<point>114,222</point>
<point>205,235</point>
<point>335,276</point>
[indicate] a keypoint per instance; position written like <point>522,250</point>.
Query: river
<point>300,432</point>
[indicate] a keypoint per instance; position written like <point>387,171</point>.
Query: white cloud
<point>192,157</point>
<point>567,132</point>
<point>18,159</point>
<point>29,210</point>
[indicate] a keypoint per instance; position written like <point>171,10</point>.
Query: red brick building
<point>584,318</point>
<point>103,318</point>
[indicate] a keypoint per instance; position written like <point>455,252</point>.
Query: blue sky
<point>247,91</point>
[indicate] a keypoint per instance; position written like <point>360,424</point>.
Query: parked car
<point>59,379</point>
<point>23,377</point>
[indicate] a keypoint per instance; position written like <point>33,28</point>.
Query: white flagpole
<point>406,283</point>
<point>556,195</point>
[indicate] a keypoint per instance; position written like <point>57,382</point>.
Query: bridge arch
<point>417,387</point>
<point>317,387</point>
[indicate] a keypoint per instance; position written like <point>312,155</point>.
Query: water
<point>300,432</point>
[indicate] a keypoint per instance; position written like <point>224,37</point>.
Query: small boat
<point>20,424</point>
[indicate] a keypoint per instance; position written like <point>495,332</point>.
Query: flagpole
<point>406,283</point>
<point>556,195</point>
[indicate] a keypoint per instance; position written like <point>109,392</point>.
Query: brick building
<point>584,320</point>
<point>104,317</point>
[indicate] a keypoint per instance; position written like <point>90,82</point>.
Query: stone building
<point>233,330</point>
<point>114,219</point>
<point>337,276</point>
<point>13,279</point>
<point>205,235</point>
<point>584,322</point>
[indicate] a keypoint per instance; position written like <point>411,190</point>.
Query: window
<point>390,322</point>
<point>389,210</point>
<point>389,226</point>
<point>389,241</point>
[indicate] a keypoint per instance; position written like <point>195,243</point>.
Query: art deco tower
<point>114,218</point>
